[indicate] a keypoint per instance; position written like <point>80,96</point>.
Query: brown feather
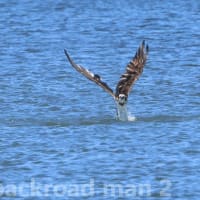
<point>93,77</point>
<point>133,71</point>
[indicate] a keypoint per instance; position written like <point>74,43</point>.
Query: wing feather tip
<point>66,53</point>
<point>143,42</point>
<point>147,48</point>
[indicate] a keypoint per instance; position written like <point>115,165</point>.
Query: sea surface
<point>59,137</point>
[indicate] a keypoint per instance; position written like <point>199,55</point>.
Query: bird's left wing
<point>133,70</point>
<point>93,77</point>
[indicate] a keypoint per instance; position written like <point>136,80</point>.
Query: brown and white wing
<point>133,71</point>
<point>93,77</point>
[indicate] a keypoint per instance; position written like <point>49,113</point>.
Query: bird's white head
<point>122,99</point>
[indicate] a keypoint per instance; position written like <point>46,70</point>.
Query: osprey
<point>133,71</point>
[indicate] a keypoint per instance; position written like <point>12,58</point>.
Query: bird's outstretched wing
<point>133,71</point>
<point>93,77</point>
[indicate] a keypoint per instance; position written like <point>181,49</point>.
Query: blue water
<point>58,128</point>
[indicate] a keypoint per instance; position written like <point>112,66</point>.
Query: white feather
<point>122,113</point>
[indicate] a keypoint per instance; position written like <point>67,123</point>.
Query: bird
<point>132,72</point>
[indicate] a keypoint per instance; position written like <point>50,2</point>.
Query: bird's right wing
<point>93,77</point>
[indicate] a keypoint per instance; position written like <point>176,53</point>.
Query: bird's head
<point>122,99</point>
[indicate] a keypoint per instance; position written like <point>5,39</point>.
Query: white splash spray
<point>131,117</point>
<point>122,113</point>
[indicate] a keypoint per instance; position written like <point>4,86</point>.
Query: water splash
<point>123,114</point>
<point>131,118</point>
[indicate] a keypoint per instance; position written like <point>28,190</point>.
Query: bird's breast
<point>122,114</point>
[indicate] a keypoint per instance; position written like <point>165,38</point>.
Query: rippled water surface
<point>58,128</point>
